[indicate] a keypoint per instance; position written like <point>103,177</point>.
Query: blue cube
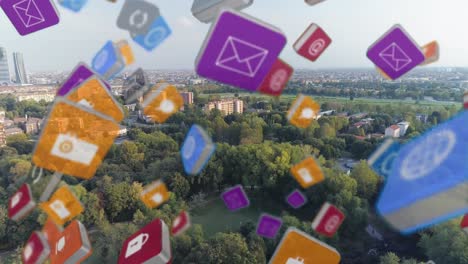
<point>428,182</point>
<point>382,159</point>
<point>108,62</point>
<point>196,150</point>
<point>158,32</point>
<point>73,5</point>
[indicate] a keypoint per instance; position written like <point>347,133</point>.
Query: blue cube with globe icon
<point>196,150</point>
<point>428,182</point>
<point>382,159</point>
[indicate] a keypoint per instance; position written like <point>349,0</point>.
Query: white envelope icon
<point>395,57</point>
<point>29,13</point>
<point>241,57</point>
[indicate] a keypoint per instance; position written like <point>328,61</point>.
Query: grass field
<point>323,99</point>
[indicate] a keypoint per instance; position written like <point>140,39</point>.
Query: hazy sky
<point>352,24</point>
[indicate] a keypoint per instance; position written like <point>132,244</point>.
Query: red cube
<point>464,223</point>
<point>277,78</point>
<point>181,223</point>
<point>21,203</point>
<point>328,220</point>
<point>36,250</point>
<point>465,100</point>
<point>312,43</point>
<point>151,244</point>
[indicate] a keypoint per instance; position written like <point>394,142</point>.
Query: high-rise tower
<point>4,70</point>
<point>20,70</point>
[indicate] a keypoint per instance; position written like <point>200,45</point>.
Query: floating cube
<point>296,199</point>
<point>62,206</point>
<point>303,111</point>
<point>36,250</point>
<point>162,102</point>
<point>328,220</point>
<point>21,203</point>
<point>155,194</point>
<point>382,159</point>
<point>108,62</point>
<point>465,100</point>
<point>235,198</point>
<point>51,232</point>
<point>464,223</point>
<point>181,223</point>
<point>268,226</point>
<point>428,183</point>
<point>151,245</point>
<point>313,2</point>
<point>312,43</point>
<point>307,172</point>
<point>297,247</point>
<point>277,78</point>
<point>207,10</point>
<point>72,246</point>
<point>196,150</point>
<point>431,52</point>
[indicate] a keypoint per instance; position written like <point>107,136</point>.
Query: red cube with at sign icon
<point>277,78</point>
<point>464,224</point>
<point>312,43</point>
<point>328,220</point>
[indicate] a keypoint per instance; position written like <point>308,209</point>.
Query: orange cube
<point>51,232</point>
<point>161,102</point>
<point>155,194</point>
<point>303,110</point>
<point>297,247</point>
<point>307,172</point>
<point>72,246</point>
<point>126,52</point>
<point>62,206</point>
<point>431,52</point>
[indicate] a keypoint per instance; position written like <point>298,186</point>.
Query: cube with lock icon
<point>62,206</point>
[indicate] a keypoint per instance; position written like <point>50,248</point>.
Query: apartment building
<point>227,106</point>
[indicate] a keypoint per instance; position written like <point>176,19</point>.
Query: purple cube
<point>268,226</point>
<point>235,198</point>
<point>296,199</point>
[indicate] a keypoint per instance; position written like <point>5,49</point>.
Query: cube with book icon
<point>428,183</point>
<point>307,172</point>
<point>297,247</point>
<point>162,101</point>
<point>62,206</point>
<point>155,194</point>
<point>197,150</point>
<point>75,139</point>
<point>150,244</point>
<point>303,111</point>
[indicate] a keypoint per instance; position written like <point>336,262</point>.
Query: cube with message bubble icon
<point>312,43</point>
<point>92,93</point>
<point>62,206</point>
<point>196,150</point>
<point>268,226</point>
<point>72,246</point>
<point>36,250</point>
<point>151,244</point>
<point>239,50</point>
<point>162,101</point>
<point>303,111</point>
<point>297,247</point>
<point>235,198</point>
<point>428,183</point>
<point>395,53</point>
<point>181,223</point>
<point>431,52</point>
<point>277,78</point>
<point>29,16</point>
<point>78,75</point>
<point>74,140</point>
<point>207,10</point>
<point>155,194</point>
<point>156,35</point>
<point>328,220</point>
<point>307,172</point>
<point>381,160</point>
<point>21,203</point>
<point>296,199</point>
<point>73,5</point>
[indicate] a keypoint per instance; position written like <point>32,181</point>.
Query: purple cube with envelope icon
<point>395,53</point>
<point>296,199</point>
<point>239,50</point>
<point>268,226</point>
<point>29,16</point>
<point>235,198</point>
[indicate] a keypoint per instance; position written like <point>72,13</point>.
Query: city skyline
<point>352,25</point>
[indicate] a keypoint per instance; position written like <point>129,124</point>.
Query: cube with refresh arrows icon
<point>196,150</point>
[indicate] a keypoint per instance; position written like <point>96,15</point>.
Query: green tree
<point>367,180</point>
<point>390,258</point>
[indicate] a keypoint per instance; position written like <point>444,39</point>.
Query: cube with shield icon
<point>428,183</point>
<point>196,150</point>
<point>161,102</point>
<point>303,111</point>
